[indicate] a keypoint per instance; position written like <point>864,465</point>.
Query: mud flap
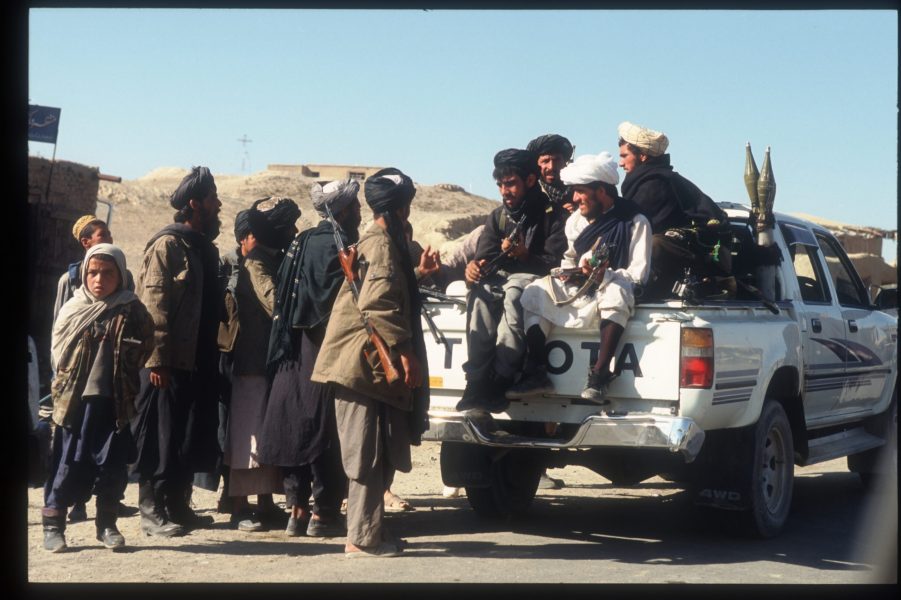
<point>721,475</point>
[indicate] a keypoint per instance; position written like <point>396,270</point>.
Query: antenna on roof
<point>245,159</point>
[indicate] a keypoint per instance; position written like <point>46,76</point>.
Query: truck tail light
<point>696,360</point>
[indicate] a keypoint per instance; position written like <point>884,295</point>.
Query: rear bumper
<point>676,434</point>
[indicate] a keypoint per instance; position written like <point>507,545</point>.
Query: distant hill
<point>440,214</point>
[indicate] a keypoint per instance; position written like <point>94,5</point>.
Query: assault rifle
<point>491,267</point>
<point>600,255</point>
<point>430,293</point>
<point>347,256</point>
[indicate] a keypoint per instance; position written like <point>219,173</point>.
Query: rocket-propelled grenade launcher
<point>761,188</point>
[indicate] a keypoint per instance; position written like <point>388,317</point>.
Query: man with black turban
<point>495,336</point>
<point>268,231</point>
<point>176,422</point>
<point>299,432</point>
<point>554,152</point>
<point>377,420</point>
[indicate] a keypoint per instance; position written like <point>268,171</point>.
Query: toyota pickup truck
<point>725,396</point>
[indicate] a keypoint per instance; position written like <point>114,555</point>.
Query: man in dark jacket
<point>522,240</point>
<point>679,212</point>
<point>553,152</point>
<point>176,424</point>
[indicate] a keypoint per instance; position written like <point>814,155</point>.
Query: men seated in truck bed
<point>522,240</point>
<point>602,291</point>
<point>687,225</point>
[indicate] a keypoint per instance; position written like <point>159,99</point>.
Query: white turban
<point>335,194</point>
<point>589,168</point>
<point>654,143</point>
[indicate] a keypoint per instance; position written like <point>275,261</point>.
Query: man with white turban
<point>673,204</point>
<point>299,431</point>
<point>602,217</point>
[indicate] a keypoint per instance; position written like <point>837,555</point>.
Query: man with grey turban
<point>672,204</point>
<point>495,335</point>
<point>616,222</point>
<point>176,425</point>
<point>377,420</point>
<point>299,432</point>
<point>554,152</point>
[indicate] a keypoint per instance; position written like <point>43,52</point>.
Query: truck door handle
<point>816,325</point>
<point>852,325</point>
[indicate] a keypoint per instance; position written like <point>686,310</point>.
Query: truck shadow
<point>645,528</point>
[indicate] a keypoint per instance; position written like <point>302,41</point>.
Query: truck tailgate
<point>647,358</point>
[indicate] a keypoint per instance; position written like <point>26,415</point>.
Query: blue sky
<point>438,93</point>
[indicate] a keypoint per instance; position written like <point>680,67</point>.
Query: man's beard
<point>211,225</point>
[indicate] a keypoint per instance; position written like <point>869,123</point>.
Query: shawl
<point>83,308</point>
<point>614,227</point>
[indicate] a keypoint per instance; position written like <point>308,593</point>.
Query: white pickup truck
<point>725,396</point>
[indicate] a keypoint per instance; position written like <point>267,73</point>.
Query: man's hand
<point>587,270</point>
<point>160,377</point>
<point>412,370</point>
<point>473,271</point>
<point>429,262</point>
<point>517,250</point>
<point>570,206</point>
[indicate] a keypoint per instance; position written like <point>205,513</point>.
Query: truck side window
<point>848,288</point>
<point>810,279</point>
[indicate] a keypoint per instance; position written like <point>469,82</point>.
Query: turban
<point>242,225</point>
<point>524,161</point>
<point>653,143</point>
<point>196,185</point>
<point>551,144</point>
<point>388,189</point>
<point>81,223</point>
<point>589,168</point>
<point>272,221</point>
<point>335,194</point>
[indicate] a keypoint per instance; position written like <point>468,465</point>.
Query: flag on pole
<point>43,123</point>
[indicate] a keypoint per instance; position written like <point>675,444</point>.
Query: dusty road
<point>588,532</point>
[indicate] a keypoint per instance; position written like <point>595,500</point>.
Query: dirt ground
<point>222,554</point>
<point>587,532</point>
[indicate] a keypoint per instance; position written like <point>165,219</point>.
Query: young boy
<point>101,339</point>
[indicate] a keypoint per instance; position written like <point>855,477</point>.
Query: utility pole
<point>245,159</point>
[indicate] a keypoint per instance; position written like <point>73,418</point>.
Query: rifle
<point>493,265</point>
<point>430,293</point>
<point>347,256</point>
<point>598,260</point>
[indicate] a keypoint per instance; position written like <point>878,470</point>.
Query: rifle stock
<point>347,257</point>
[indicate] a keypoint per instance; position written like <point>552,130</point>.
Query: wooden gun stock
<point>347,258</point>
<point>381,348</point>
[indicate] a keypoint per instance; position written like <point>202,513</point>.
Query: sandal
<point>394,503</point>
<point>383,550</point>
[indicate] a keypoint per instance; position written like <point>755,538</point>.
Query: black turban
<point>388,190</point>
<point>242,225</point>
<point>524,161</point>
<point>195,186</point>
<point>551,144</point>
<point>272,221</point>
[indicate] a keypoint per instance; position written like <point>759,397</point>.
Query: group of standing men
<point>319,336</point>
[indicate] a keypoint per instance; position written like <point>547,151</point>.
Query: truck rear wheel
<point>513,481</point>
<point>772,473</point>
